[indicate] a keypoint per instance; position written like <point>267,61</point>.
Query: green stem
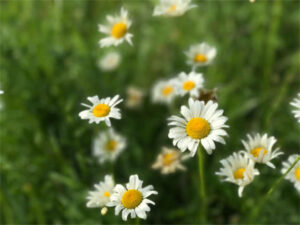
<point>257,209</point>
<point>202,183</point>
<point>137,222</point>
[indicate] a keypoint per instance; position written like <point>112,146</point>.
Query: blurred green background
<point>49,54</point>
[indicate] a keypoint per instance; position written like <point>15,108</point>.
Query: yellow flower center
<point>106,194</point>
<point>172,8</point>
<point>239,173</point>
<point>101,110</point>
<point>169,158</point>
<point>119,30</point>
<point>297,173</point>
<point>256,151</point>
<point>131,199</point>
<point>200,58</point>
<point>197,128</point>
<point>188,85</point>
<point>111,145</point>
<point>167,90</point>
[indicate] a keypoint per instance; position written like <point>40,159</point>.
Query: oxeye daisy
<point>116,29</point>
<point>259,149</point>
<point>132,199</point>
<point>172,7</point>
<point>101,195</point>
<point>190,83</point>
<point>238,169</point>
<point>164,91</point>
<point>134,97</point>
<point>1,92</point>
<point>201,124</point>
<point>294,174</point>
<point>170,160</point>
<point>101,109</point>
<point>296,104</point>
<point>200,55</point>
<point>110,61</point>
<point>108,145</point>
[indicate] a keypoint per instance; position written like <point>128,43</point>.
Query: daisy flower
<point>108,145</point>
<point>296,104</point>
<point>164,91</point>
<point>116,29</point>
<point>201,123</point>
<point>294,174</point>
<point>200,55</point>
<point>110,61</point>
<point>132,199</point>
<point>101,109</point>
<point>101,195</point>
<point>190,83</point>
<point>134,97</point>
<point>170,160</point>
<point>172,7</point>
<point>238,169</point>
<point>259,149</point>
<point>1,92</point>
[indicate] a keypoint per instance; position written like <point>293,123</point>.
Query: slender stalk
<point>202,183</point>
<point>137,222</point>
<point>257,209</point>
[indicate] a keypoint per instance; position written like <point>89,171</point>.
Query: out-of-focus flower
<point>108,145</point>
<point>206,95</point>
<point>238,169</point>
<point>294,174</point>
<point>116,29</point>
<point>201,123</point>
<point>164,91</point>
<point>134,97</point>
<point>110,61</point>
<point>1,92</point>
<point>101,195</point>
<point>201,55</point>
<point>170,160</point>
<point>172,7</point>
<point>133,199</point>
<point>190,83</point>
<point>296,104</point>
<point>101,109</point>
<point>259,149</point>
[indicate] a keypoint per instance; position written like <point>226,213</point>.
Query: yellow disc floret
<point>188,85</point>
<point>297,173</point>
<point>256,151</point>
<point>167,90</point>
<point>239,173</point>
<point>111,145</point>
<point>172,8</point>
<point>200,58</point>
<point>131,199</point>
<point>106,194</point>
<point>101,110</point>
<point>169,158</point>
<point>119,30</point>
<point>197,128</point>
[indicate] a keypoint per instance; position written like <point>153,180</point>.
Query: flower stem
<point>257,209</point>
<point>202,183</point>
<point>137,222</point>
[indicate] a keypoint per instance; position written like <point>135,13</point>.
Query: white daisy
<point>238,169</point>
<point>116,29</point>
<point>132,199</point>
<point>101,109</point>
<point>190,83</point>
<point>1,92</point>
<point>201,55</point>
<point>294,174</point>
<point>172,7</point>
<point>296,104</point>
<point>259,148</point>
<point>134,97</point>
<point>110,61</point>
<point>164,91</point>
<point>101,196</point>
<point>201,123</point>
<point>170,160</point>
<point>108,145</point>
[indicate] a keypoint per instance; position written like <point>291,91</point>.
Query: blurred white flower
<point>164,91</point>
<point>1,92</point>
<point>259,149</point>
<point>116,29</point>
<point>110,61</point>
<point>296,104</point>
<point>294,174</point>
<point>201,123</point>
<point>200,55</point>
<point>170,160</point>
<point>133,199</point>
<point>107,145</point>
<point>134,97</point>
<point>190,83</point>
<point>101,109</point>
<point>172,7</point>
<point>238,169</point>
